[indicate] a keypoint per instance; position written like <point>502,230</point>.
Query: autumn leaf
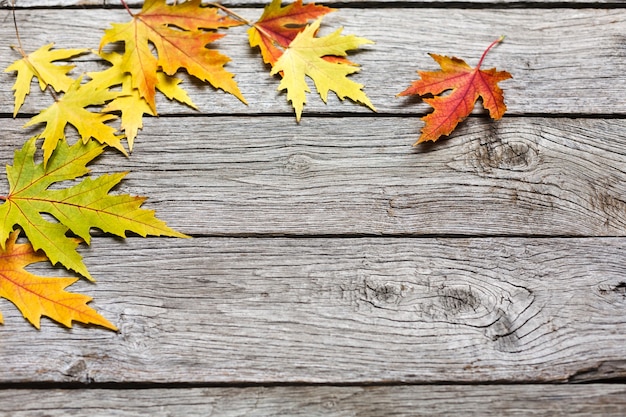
<point>37,296</point>
<point>78,208</point>
<point>278,26</point>
<point>128,102</point>
<point>70,109</point>
<point>178,33</point>
<point>132,106</point>
<point>467,85</point>
<point>39,64</point>
<point>305,57</point>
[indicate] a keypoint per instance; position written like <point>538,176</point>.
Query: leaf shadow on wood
<point>428,147</point>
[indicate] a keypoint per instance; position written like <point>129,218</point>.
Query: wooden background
<point>334,269</point>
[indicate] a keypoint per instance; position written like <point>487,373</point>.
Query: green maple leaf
<point>305,56</point>
<point>77,208</point>
<point>39,64</point>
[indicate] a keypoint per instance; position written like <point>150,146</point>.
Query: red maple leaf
<point>278,26</point>
<point>467,85</point>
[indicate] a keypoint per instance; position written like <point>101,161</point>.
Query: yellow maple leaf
<point>129,102</point>
<point>39,64</point>
<point>176,32</point>
<point>168,85</point>
<point>305,57</point>
<point>37,296</point>
<point>132,108</point>
<point>70,109</point>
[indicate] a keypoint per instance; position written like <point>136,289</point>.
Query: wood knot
<point>615,290</point>
<point>383,294</point>
<point>457,300</point>
<point>77,371</point>
<point>610,205</point>
<point>298,165</point>
<point>498,153</point>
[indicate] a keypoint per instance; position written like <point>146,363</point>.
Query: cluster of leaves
<point>158,42</point>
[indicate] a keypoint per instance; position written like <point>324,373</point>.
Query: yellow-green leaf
<point>305,57</point>
<point>78,208</point>
<point>39,64</point>
<point>70,109</point>
<point>36,296</point>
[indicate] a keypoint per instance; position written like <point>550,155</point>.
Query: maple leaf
<point>114,75</point>
<point>128,101</point>
<point>132,108</point>
<point>179,37</point>
<point>37,296</point>
<point>467,85</point>
<point>278,26</point>
<point>39,64</point>
<point>70,109</point>
<point>77,208</point>
<point>305,57</point>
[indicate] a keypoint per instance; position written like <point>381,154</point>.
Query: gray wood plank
<point>493,400</point>
<point>560,61</point>
<point>267,175</point>
<point>351,310</point>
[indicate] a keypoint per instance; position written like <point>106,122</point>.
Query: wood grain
<point>336,269</point>
<point>334,176</point>
<point>561,63</point>
<point>536,400</point>
<point>337,311</point>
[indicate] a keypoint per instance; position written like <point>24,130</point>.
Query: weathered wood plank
<point>493,400</point>
<point>267,175</point>
<point>358,310</point>
<point>560,61</point>
<point>350,310</point>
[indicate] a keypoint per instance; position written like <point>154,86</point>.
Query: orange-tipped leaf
<point>36,296</point>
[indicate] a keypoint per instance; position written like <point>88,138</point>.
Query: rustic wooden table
<point>336,270</point>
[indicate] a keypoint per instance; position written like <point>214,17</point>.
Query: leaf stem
<point>53,94</point>
<point>494,43</point>
<point>20,49</point>
<point>241,18</point>
<point>126,7</point>
<point>17,32</point>
<point>232,14</point>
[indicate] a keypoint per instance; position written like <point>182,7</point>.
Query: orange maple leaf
<point>467,85</point>
<point>278,26</point>
<point>37,296</point>
<point>180,34</point>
